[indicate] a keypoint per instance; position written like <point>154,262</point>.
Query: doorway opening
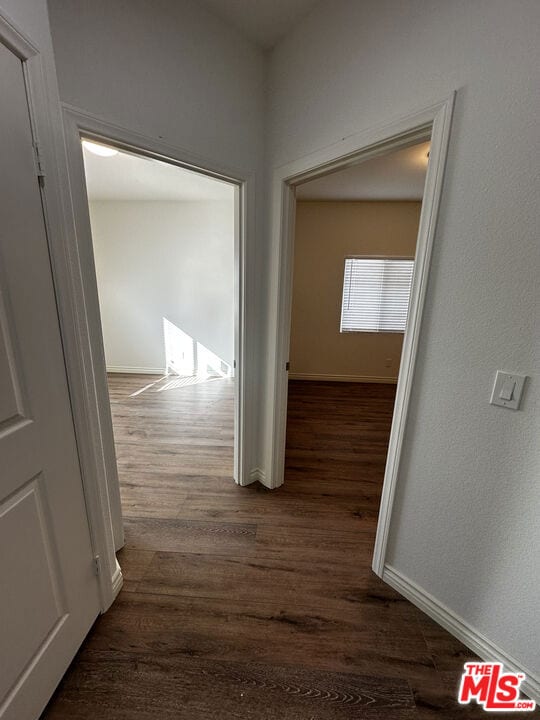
<point>431,125</point>
<point>354,249</point>
<point>165,252</point>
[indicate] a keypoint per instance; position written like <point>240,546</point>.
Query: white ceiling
<point>132,177</point>
<point>397,176</point>
<point>265,22</point>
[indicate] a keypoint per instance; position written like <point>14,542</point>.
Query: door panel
<point>32,599</point>
<point>49,592</point>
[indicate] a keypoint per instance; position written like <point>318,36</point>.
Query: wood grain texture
<point>253,604</point>
<point>186,687</point>
<point>179,535</point>
<point>376,638</point>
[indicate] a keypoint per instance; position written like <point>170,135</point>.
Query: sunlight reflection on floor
<point>178,382</point>
<point>172,382</point>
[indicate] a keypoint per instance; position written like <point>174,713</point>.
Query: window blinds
<point>376,295</point>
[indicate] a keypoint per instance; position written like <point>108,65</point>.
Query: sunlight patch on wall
<point>187,357</point>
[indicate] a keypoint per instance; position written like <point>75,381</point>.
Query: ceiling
<point>132,177</point>
<point>396,176</point>
<point>264,22</point>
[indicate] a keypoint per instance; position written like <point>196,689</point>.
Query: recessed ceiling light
<point>97,149</point>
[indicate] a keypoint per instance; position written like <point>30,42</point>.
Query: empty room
<point>269,359</point>
<point>163,241</point>
<point>355,236</point>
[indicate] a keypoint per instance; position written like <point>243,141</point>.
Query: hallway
<point>246,603</point>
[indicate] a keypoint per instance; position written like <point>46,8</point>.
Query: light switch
<point>507,390</point>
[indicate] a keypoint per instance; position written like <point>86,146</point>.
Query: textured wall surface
<point>325,234</point>
<point>466,523</point>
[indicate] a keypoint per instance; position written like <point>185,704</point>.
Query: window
<point>376,294</point>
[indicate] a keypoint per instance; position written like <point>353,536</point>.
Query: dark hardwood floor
<point>249,604</point>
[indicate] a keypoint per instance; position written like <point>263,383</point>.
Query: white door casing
<point>429,123</point>
<point>86,361</point>
<point>49,590</point>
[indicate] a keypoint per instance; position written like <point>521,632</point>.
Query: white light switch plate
<point>507,390</point>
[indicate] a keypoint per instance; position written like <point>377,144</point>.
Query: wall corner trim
<point>459,628</point>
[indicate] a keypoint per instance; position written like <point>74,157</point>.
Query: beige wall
<point>326,232</point>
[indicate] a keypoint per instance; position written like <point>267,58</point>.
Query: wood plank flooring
<point>249,604</point>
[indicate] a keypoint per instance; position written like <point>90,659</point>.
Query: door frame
<point>79,310</point>
<point>430,123</point>
<point>42,672</point>
<point>45,124</point>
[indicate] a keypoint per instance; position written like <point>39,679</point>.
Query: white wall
<point>466,523</point>
<point>166,68</point>
<point>157,260</point>
<point>171,70</point>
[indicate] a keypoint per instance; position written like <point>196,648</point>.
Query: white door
<point>48,589</point>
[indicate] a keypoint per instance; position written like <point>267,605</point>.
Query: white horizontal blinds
<point>376,295</point>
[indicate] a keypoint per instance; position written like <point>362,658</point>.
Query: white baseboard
<point>257,475</point>
<point>135,370</point>
<point>343,378</point>
<point>460,629</point>
<point>117,581</point>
